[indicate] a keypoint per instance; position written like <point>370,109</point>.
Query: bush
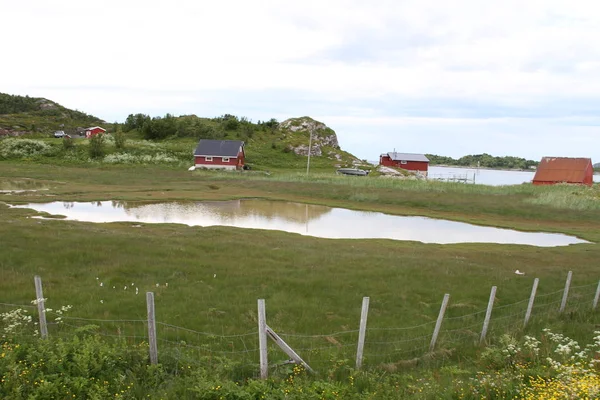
<point>120,140</point>
<point>21,148</point>
<point>83,366</point>
<point>96,149</point>
<point>125,158</point>
<point>67,143</point>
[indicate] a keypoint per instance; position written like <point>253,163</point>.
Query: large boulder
<point>298,131</point>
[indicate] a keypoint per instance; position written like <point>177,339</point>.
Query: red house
<point>220,154</point>
<point>93,131</point>
<point>408,161</point>
<point>553,170</point>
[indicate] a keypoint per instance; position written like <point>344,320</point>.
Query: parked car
<point>59,134</point>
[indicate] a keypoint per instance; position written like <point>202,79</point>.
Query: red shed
<point>408,161</point>
<point>553,170</point>
<point>220,154</point>
<point>93,131</point>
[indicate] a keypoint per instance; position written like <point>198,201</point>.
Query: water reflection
<point>313,220</point>
<point>21,185</point>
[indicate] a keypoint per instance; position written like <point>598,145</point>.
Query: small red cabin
<point>93,131</point>
<point>220,154</point>
<point>408,161</point>
<point>553,170</point>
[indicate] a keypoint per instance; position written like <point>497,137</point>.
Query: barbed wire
<point>18,305</point>
<point>335,334</point>
<point>204,349</point>
<point>255,333</point>
<point>64,317</point>
<point>400,341</point>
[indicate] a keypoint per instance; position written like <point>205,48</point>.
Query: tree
<point>96,148</point>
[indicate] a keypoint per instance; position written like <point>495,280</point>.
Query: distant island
<point>484,161</point>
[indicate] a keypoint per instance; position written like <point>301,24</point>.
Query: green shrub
<point>96,149</point>
<point>120,140</point>
<point>21,148</point>
<point>67,143</point>
<point>82,366</point>
<point>125,158</point>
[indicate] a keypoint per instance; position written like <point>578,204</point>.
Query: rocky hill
<point>20,115</point>
<point>281,145</point>
<point>295,135</point>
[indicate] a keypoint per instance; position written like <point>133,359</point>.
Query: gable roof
<point>407,157</point>
<point>95,127</point>
<point>562,169</point>
<point>218,148</point>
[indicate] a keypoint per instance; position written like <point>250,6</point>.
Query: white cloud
<point>120,56</point>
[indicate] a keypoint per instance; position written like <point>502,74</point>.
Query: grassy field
<point>312,286</point>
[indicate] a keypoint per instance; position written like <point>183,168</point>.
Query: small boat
<point>352,171</point>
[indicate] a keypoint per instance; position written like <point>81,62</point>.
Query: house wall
<point>93,132</point>
<point>216,163</point>
<point>588,178</point>
<point>410,165</point>
<point>589,175</point>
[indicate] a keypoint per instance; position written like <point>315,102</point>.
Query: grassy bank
<point>312,286</point>
<point>545,366</point>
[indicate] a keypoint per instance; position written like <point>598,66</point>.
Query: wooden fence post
<point>39,296</point>
<point>438,324</point>
<point>287,349</point>
<point>362,332</point>
<point>488,315</point>
<point>262,339</point>
<point>563,303</point>
<point>531,300</point>
<point>595,304</point>
<point>151,328</point>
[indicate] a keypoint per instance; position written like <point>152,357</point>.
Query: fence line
<point>17,305</point>
<point>366,343</point>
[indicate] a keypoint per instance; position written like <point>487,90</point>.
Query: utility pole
<point>309,149</point>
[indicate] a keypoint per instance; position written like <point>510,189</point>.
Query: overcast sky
<point>516,77</point>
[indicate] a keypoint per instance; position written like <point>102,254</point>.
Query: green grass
<point>311,286</point>
<point>260,153</point>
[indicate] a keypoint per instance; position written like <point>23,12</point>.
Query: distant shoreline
<point>486,168</point>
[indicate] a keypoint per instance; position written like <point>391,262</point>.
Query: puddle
<point>21,185</point>
<point>305,219</point>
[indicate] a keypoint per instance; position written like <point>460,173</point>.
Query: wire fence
<point>184,347</point>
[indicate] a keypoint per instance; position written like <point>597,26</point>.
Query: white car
<point>59,134</point>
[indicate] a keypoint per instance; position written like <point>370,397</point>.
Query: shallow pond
<point>305,219</point>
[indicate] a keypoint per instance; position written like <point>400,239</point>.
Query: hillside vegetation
<point>26,115</point>
<point>142,139</point>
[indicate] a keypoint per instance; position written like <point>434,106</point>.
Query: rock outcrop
<point>298,130</point>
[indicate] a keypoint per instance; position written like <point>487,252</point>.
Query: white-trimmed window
<point>207,158</point>
<point>403,162</point>
<point>225,159</point>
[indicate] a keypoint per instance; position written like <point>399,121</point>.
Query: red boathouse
<point>220,154</point>
<point>408,161</point>
<point>553,170</point>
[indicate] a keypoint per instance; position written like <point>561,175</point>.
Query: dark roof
<point>561,169</point>
<point>407,157</point>
<point>218,148</point>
